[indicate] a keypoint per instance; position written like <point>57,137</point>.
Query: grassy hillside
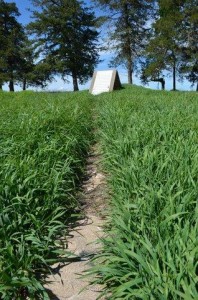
<point>44,139</point>
<point>149,144</point>
<point>149,141</point>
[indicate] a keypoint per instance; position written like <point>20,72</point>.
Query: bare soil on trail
<point>83,241</point>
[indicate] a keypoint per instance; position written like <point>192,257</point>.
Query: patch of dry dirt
<point>83,241</point>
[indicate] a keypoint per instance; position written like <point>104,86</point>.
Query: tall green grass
<point>44,139</point>
<point>149,141</point>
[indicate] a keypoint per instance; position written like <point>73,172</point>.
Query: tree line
<point>61,40</point>
<point>151,39</point>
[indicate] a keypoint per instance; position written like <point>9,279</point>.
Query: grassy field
<point>149,141</point>
<point>44,139</point>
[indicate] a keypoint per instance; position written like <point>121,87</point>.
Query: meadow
<point>44,139</point>
<point>149,142</point>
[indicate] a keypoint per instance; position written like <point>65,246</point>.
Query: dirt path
<point>68,285</point>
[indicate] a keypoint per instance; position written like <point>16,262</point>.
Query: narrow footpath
<point>83,240</point>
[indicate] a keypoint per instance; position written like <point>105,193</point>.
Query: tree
<point>189,37</point>
<point>130,31</point>
<point>165,48</point>
<point>3,77</point>
<point>151,70</point>
<point>67,37</point>
<point>11,37</point>
<point>33,71</point>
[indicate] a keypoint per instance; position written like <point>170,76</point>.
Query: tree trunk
<point>197,87</point>
<point>24,84</point>
<point>130,73</point>
<point>163,84</point>
<point>11,85</point>
<point>174,75</point>
<point>1,86</point>
<point>75,82</point>
<point>127,44</point>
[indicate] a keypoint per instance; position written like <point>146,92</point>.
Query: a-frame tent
<point>105,81</point>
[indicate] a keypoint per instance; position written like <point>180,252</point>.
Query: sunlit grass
<point>44,139</point>
<point>149,145</point>
<point>149,141</point>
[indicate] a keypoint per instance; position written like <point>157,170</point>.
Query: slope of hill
<point>149,141</point>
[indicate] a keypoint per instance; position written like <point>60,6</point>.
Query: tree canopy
<point>153,38</point>
<point>173,44</point>
<point>11,37</point>
<point>66,35</point>
<point>128,30</point>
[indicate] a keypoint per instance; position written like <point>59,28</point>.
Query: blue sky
<point>25,5</point>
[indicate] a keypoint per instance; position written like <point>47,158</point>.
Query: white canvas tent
<point>105,81</point>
